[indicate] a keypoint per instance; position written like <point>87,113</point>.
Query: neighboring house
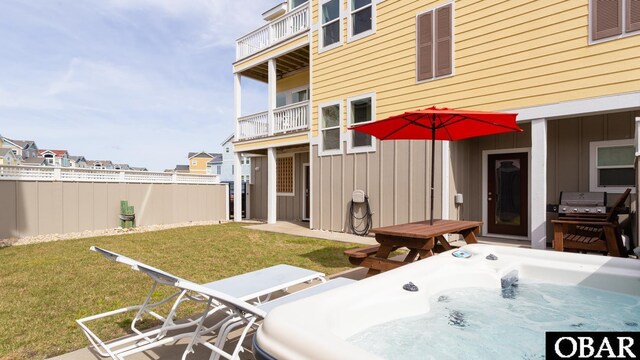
<point>23,149</point>
<point>121,167</point>
<point>77,161</point>
<point>224,164</point>
<point>100,164</point>
<point>34,161</point>
<point>570,70</point>
<point>135,168</point>
<point>181,169</point>
<point>7,157</point>
<point>198,161</point>
<point>55,157</point>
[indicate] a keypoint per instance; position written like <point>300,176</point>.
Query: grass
<point>45,287</point>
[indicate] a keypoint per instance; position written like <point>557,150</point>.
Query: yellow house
<point>7,157</point>
<point>198,162</point>
<point>570,69</point>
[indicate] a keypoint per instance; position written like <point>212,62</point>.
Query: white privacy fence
<point>289,25</point>
<point>45,173</point>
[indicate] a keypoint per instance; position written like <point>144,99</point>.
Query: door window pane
<point>281,99</point>
<point>507,192</point>
<point>299,96</point>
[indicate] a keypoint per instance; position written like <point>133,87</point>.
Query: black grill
<point>582,203</point>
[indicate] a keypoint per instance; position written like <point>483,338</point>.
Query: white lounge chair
<point>239,313</point>
<point>256,286</point>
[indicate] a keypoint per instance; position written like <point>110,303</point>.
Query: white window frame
<point>350,36</point>
<point>337,44</point>
<point>360,149</point>
<point>610,38</point>
<point>293,175</point>
<point>321,150</point>
<point>288,94</point>
<point>291,8</point>
<point>593,169</point>
<point>194,162</point>
<point>433,33</point>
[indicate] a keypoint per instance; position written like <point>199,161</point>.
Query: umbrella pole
<point>433,159</point>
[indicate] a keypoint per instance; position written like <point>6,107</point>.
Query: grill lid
<point>584,199</point>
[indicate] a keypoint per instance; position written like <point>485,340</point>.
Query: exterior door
<point>306,197</point>
<point>507,194</point>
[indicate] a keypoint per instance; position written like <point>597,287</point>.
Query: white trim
<point>293,173</point>
<point>433,53</point>
<point>485,182</point>
<point>272,197</point>
<point>349,13</point>
<point>237,188</point>
<point>624,33</point>
<point>593,173</point>
<point>306,216</point>
<point>637,137</point>
<point>538,185</point>
<point>446,192</point>
<point>321,150</point>
<point>360,149</point>
<point>320,25</point>
<point>261,146</point>
<point>271,94</point>
<point>602,104</point>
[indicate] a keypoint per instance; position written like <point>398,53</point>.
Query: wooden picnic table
<point>419,237</point>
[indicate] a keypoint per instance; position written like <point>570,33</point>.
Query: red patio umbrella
<point>440,124</point>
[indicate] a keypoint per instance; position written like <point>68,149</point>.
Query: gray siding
<point>395,177</point>
<point>288,207</point>
<point>34,208</point>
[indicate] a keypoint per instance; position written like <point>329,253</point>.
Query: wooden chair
<point>592,234</point>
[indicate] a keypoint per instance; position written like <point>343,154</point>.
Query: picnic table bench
<point>419,237</point>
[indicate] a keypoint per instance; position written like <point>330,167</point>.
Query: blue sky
<point>136,81</point>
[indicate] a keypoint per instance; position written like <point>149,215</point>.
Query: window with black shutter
<point>434,33</point>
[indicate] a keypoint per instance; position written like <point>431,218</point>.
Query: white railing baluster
<point>291,117</point>
<point>289,25</point>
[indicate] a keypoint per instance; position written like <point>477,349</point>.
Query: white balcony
<point>283,28</point>
<point>294,117</point>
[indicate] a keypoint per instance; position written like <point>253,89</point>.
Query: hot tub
<point>338,324</point>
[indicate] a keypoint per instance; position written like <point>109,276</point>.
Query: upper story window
<point>612,165</point>
<point>362,15</point>
<point>194,162</point>
<point>295,3</point>
<point>614,18</point>
<point>331,30</point>
<point>434,40</point>
<point>360,109</point>
<point>292,96</point>
<point>330,128</point>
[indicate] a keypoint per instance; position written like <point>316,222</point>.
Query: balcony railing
<point>292,117</point>
<point>289,25</point>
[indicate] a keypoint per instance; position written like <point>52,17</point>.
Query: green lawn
<point>45,287</point>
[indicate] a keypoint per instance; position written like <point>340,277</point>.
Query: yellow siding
<point>294,81</point>
<point>302,138</point>
<point>273,52</point>
<point>507,55</point>
<point>200,166</point>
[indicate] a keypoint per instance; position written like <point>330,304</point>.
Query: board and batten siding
<point>509,54</point>
<point>288,207</point>
<point>32,208</point>
<point>395,178</point>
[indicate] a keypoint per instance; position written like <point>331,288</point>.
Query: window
<point>232,169</point>
<point>296,3</point>
<point>218,169</point>
<point>226,149</point>
<point>434,40</point>
<point>284,175</point>
<point>299,96</point>
<point>614,18</point>
<point>612,165</point>
<point>360,109</point>
<point>292,96</point>
<point>330,123</point>
<point>194,162</point>
<point>362,14</point>
<point>331,30</point>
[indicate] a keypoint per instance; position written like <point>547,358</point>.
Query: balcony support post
<point>272,94</point>
<point>237,187</point>
<point>272,196</point>
<point>237,100</point>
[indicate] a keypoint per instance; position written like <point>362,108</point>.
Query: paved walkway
<point>302,229</point>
